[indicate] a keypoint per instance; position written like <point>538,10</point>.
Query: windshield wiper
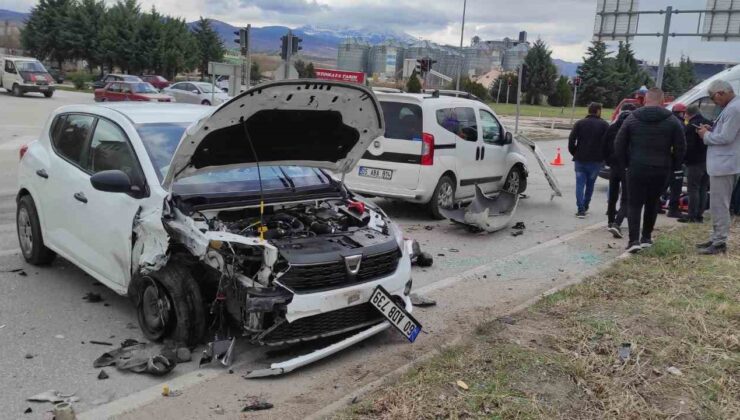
<point>285,177</point>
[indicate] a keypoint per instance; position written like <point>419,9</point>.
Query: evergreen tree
<point>686,74</point>
<point>254,73</point>
<point>508,81</point>
<point>671,79</point>
<point>88,17</point>
<point>627,73</point>
<point>210,46</point>
<point>542,72</point>
<point>177,48</point>
<point>597,76</point>
<point>413,85</point>
<point>470,86</point>
<point>300,68</point>
<point>563,94</point>
<point>48,31</point>
<point>120,35</point>
<point>310,71</point>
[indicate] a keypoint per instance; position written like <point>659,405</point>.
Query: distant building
<point>508,52</point>
<point>352,55</point>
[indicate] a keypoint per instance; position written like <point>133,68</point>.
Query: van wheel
<point>30,237</point>
<point>17,90</point>
<point>443,197</point>
<point>170,306</point>
<point>516,182</point>
<point>48,94</point>
<point>206,102</point>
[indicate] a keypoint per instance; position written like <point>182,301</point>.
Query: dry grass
<point>559,359</point>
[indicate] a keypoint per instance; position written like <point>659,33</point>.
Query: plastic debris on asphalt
<point>421,301</point>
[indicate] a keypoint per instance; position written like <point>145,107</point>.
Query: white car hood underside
<point>347,119</point>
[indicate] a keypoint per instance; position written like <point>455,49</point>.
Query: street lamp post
<point>462,55</point>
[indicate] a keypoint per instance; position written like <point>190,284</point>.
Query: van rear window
<point>402,121</point>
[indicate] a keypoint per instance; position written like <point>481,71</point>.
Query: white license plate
<point>43,87</point>
<point>396,315</point>
<point>368,172</point>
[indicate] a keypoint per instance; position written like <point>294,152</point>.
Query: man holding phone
<point>696,166</point>
<point>723,163</point>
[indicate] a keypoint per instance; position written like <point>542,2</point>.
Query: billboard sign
<point>616,20</point>
<point>341,75</point>
<point>721,21</point>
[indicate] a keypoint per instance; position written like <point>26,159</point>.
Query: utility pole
<point>664,46</point>
<point>498,95</point>
<point>518,97</point>
<point>576,83</point>
<point>508,88</point>
<point>462,55</point>
<point>288,54</point>
<point>248,57</point>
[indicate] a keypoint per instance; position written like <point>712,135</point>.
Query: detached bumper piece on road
<point>485,214</point>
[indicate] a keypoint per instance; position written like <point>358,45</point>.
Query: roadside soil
<point>654,336</point>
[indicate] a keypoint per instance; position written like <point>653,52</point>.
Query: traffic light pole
<point>518,98</point>
<point>462,56</point>
<point>573,105</point>
<point>248,58</point>
<point>498,95</point>
<point>288,53</point>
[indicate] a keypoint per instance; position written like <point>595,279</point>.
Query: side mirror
<point>113,180</point>
<point>225,90</point>
<point>508,138</point>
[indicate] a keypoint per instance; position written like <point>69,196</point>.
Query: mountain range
<point>317,41</point>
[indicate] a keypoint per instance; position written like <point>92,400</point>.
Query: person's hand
<point>703,130</point>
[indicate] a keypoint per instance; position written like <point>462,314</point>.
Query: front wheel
<point>48,94</point>
<point>170,306</point>
<point>206,102</point>
<point>30,237</point>
<point>443,197</point>
<point>17,90</point>
<point>516,181</point>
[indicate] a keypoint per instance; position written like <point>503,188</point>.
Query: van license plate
<point>396,315</point>
<point>368,172</point>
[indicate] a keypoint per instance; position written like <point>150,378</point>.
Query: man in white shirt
<point>723,163</point>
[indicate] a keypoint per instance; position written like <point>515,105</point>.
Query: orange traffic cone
<point>558,161</point>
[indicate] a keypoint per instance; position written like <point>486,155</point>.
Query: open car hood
<point>314,123</point>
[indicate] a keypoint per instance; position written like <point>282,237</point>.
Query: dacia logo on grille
<point>352,263</point>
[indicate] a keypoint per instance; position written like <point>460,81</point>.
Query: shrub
<point>79,79</point>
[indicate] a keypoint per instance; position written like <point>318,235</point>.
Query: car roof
<point>146,113</point>
<point>425,98</point>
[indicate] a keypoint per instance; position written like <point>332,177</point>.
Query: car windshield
<point>30,66</point>
<point>161,139</point>
<point>143,88</point>
<point>205,87</point>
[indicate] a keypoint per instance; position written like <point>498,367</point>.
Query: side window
<point>113,87</point>
<point>707,108</point>
<point>69,142</point>
<point>188,87</point>
<point>125,88</point>
<point>402,121</point>
<point>490,127</point>
<point>9,67</point>
<point>109,79</point>
<point>459,121</point>
<point>110,149</point>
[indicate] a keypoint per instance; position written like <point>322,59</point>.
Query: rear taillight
<point>427,149</point>
<point>23,151</point>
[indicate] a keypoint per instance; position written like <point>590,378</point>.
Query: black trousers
<point>617,187</point>
<point>698,185</point>
<point>645,184</point>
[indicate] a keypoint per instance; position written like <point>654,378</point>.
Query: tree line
<point>119,36</point>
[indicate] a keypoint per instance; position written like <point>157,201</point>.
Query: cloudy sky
<point>566,25</point>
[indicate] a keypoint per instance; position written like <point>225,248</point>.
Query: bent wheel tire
<point>443,197</point>
<point>170,306</point>
<point>515,182</point>
<point>30,237</point>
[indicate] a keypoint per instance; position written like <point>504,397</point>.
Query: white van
<point>698,95</point>
<point>20,75</point>
<point>435,150</point>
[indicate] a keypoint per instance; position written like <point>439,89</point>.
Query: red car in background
<point>130,91</point>
<point>157,81</point>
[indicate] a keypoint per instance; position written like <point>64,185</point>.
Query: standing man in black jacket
<point>696,166</point>
<point>617,175</point>
<point>650,143</point>
<point>586,144</point>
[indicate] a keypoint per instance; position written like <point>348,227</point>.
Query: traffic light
<point>284,47</point>
<point>243,40</point>
<point>577,81</point>
<point>296,44</point>
<point>424,65</point>
<point>525,76</point>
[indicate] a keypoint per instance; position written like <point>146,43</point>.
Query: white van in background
<point>20,75</point>
<point>698,95</point>
<point>435,150</point>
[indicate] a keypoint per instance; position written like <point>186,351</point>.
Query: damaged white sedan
<point>223,221</point>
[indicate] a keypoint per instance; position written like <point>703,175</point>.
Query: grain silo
<point>514,57</point>
<point>384,59</point>
<point>352,55</point>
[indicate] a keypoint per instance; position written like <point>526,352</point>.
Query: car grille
<point>322,325</point>
<point>316,277</point>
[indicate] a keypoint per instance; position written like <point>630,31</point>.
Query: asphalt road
<point>46,327</point>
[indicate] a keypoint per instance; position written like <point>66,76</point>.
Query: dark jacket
<point>651,136</point>
<point>696,150</point>
<point>586,139</point>
<point>610,136</point>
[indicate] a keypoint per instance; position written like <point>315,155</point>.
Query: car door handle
<point>42,173</point>
<point>477,153</point>
<point>80,197</point>
<point>482,152</point>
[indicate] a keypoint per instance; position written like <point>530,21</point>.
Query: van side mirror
<point>508,138</point>
<point>113,180</point>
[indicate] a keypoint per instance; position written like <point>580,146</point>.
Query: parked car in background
<point>130,91</point>
<point>57,75</point>
<point>436,149</point>
<point>157,81</point>
<point>20,75</point>
<point>100,83</point>
<point>196,93</point>
<point>699,96</point>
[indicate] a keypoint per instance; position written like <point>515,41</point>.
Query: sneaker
<point>646,243</point>
<point>675,214</point>
<point>714,249</point>
<point>704,245</point>
<point>615,230</point>
<point>634,247</point>
<point>581,215</point>
<point>686,220</point>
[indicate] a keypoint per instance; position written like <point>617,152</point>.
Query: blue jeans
<point>586,174</point>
